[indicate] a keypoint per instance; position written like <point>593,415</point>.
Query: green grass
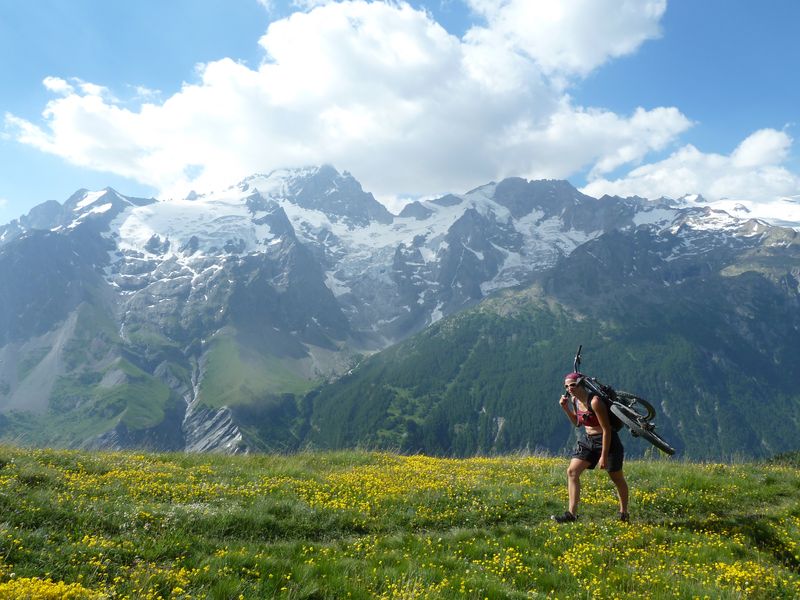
<point>235,376</point>
<point>142,396</point>
<point>378,525</point>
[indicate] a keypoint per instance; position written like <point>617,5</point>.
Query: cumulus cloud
<point>571,37</point>
<point>382,90</point>
<point>57,85</point>
<point>753,171</point>
<point>63,87</point>
<point>763,148</point>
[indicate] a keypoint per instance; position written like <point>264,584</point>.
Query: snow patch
<point>90,198</point>
<point>437,314</point>
<point>654,216</point>
<point>335,285</point>
<point>100,209</point>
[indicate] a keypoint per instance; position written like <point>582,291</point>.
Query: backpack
<point>608,395</point>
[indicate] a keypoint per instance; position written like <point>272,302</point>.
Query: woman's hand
<point>564,401</point>
<point>603,462</point>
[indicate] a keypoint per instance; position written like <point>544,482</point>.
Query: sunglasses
<point>569,385</point>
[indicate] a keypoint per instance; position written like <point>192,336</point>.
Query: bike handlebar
<point>577,363</point>
<point>587,381</point>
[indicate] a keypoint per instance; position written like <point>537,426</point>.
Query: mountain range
<point>294,309</point>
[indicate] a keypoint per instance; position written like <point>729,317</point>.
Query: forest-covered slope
<point>716,356</point>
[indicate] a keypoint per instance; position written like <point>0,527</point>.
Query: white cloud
<point>63,87</point>
<point>57,85</point>
<point>308,4</point>
<point>381,90</point>
<point>573,137</point>
<point>571,37</point>
<point>753,171</point>
<point>763,148</point>
<point>144,94</point>
<point>303,4</point>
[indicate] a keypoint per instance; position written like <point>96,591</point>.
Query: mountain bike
<point>635,412</point>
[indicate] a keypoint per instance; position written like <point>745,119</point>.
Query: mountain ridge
<point>271,287</point>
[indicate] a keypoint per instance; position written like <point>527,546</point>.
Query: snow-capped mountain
<point>176,323</point>
<point>782,212</point>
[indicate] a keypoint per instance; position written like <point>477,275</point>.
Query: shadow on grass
<point>760,531</point>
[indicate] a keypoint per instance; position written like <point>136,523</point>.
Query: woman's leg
<point>622,490</point>
<point>576,467</point>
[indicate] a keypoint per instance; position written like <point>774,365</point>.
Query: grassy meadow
<point>385,526</point>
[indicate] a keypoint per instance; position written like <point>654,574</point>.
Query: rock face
<point>165,324</point>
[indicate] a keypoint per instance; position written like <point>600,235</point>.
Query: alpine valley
<point>293,310</point>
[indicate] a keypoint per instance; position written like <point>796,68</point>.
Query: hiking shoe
<point>567,517</point>
<point>623,516</point>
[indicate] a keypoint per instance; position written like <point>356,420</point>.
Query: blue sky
<point>157,97</point>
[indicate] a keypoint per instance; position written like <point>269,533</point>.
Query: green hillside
<point>235,374</point>
<point>718,367</point>
<point>378,525</point>
<point>83,406</point>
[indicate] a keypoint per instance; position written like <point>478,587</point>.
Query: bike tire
<point>632,422</point>
<point>635,402</point>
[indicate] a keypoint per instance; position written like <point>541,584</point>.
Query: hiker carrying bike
<point>598,444</point>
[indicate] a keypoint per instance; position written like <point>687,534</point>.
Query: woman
<point>598,444</point>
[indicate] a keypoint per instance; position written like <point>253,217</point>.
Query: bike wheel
<point>646,430</point>
<point>639,405</point>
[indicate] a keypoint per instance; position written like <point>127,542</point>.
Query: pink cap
<point>573,375</point>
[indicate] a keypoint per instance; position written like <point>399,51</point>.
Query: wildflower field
<point>385,526</point>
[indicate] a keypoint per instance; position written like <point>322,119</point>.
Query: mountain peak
<point>522,197</point>
<point>323,188</point>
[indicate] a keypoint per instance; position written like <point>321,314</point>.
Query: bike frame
<point>638,424</point>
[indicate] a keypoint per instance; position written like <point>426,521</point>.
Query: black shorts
<point>589,448</point>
